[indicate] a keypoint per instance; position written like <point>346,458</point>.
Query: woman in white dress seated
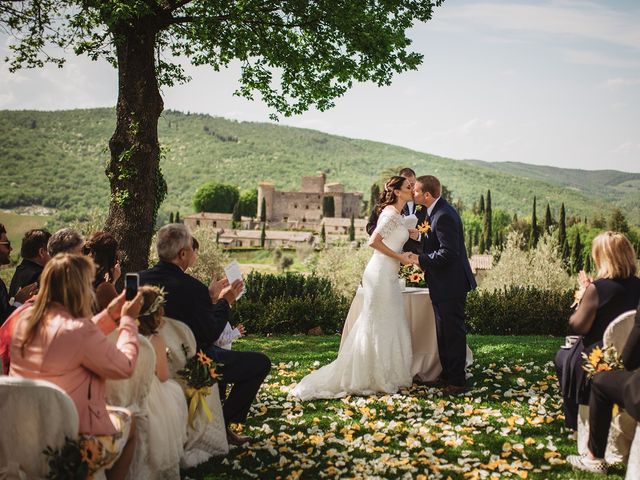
<point>167,404</point>
<point>377,354</point>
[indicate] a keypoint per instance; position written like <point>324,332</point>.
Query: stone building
<point>305,207</point>
<point>217,220</point>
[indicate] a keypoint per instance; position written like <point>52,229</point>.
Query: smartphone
<point>131,284</point>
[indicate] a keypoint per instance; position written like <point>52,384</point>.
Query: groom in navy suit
<point>449,278</point>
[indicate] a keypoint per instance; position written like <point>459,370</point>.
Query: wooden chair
<point>623,426</point>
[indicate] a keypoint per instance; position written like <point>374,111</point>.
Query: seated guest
<point>66,240</point>
<point>34,256</point>
<point>615,291</point>
<point>168,414</point>
<point>206,311</point>
<point>103,249</point>
<point>8,304</point>
<point>55,339</point>
<point>620,387</point>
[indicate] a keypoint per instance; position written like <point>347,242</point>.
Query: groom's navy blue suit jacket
<point>444,258</point>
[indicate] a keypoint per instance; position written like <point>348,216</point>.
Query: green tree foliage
<point>249,203</point>
<point>481,205</point>
<point>328,206</point>
<point>487,234</point>
<point>535,234</point>
<point>171,217</point>
<point>548,220</point>
<point>236,218</point>
<point>263,210</point>
<point>263,235</point>
<point>323,235</point>
<point>375,195</point>
<point>617,222</point>
<point>178,220</point>
<point>216,197</point>
<point>352,229</point>
<point>447,194</point>
<point>577,256</point>
<point>562,228</point>
<point>587,262</point>
<point>295,55</point>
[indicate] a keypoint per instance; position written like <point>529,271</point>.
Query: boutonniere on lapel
<point>418,208</point>
<point>424,228</point>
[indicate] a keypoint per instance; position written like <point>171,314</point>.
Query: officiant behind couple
<point>377,354</point>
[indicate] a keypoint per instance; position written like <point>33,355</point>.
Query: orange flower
<point>595,356</point>
<point>90,453</point>
<point>424,227</point>
<point>416,277</point>
<point>203,359</point>
<point>603,367</point>
<point>214,374</point>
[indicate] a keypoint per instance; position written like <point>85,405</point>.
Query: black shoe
<point>237,440</point>
<point>438,382</point>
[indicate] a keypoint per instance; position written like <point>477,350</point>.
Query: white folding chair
<point>35,414</point>
<point>623,426</point>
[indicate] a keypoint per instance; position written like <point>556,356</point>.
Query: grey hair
<point>64,241</point>
<point>171,239</point>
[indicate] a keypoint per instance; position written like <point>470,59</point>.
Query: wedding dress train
<point>377,354</point>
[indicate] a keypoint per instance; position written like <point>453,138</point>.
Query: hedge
<point>294,303</point>
<point>518,311</point>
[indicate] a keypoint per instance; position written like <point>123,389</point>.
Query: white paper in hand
<point>232,271</point>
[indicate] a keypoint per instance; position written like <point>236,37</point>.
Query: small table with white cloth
<point>422,323</point>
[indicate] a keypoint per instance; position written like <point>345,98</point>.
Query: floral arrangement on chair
<point>413,275</point>
<point>73,461</point>
<point>198,376</point>
<point>601,360</point>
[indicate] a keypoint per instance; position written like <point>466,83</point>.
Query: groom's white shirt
<point>430,209</point>
<point>411,207</point>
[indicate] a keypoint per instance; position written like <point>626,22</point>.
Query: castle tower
<point>313,184</point>
<point>267,191</point>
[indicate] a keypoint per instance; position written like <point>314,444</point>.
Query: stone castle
<point>305,207</point>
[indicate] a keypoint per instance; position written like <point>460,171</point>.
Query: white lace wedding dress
<point>376,356</point>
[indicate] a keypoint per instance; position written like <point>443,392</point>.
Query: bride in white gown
<point>376,356</point>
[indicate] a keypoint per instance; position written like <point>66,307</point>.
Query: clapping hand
<point>231,292</point>
<point>26,292</point>
<point>216,287</point>
<point>583,279</point>
<point>241,329</point>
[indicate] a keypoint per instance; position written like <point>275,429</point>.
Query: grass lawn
<point>509,425</point>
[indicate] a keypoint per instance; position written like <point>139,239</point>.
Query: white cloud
<point>587,57</point>
<point>621,82</point>
<point>566,19</point>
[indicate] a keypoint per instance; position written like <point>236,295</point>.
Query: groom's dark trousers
<point>452,339</point>
<point>449,278</point>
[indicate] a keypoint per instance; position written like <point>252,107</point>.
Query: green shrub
<point>518,311</point>
<point>290,303</point>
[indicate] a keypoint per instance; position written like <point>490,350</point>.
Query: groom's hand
<point>414,234</point>
<point>405,258</point>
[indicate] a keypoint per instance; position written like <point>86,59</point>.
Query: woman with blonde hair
<point>57,340</point>
<point>615,291</point>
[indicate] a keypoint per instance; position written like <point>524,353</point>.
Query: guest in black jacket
<point>34,257</point>
<point>206,311</point>
<point>616,290</point>
<point>619,387</point>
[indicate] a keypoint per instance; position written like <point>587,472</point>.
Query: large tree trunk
<point>137,186</point>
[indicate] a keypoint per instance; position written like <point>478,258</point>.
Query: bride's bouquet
<point>413,275</point>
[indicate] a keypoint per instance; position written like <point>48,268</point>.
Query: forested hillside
<point>57,159</point>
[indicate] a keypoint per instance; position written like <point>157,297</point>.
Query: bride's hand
<point>405,258</point>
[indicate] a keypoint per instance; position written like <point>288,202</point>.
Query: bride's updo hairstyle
<point>388,195</point>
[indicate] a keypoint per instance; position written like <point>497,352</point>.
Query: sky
<point>543,82</point>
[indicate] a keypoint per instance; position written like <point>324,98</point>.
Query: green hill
<point>57,159</point>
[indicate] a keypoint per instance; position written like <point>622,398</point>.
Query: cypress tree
<point>535,234</point>
<point>170,217</point>
<point>481,207</point>
<point>587,262</point>
<point>562,229</point>
<point>469,241</point>
<point>236,218</point>
<point>481,247</point>
<point>375,194</point>
<point>263,235</point>
<point>323,235</point>
<point>178,217</point>
<point>476,236</point>
<point>576,254</point>
<point>352,229</point>
<point>565,252</point>
<point>548,221</point>
<point>217,237</point>
<point>487,233</point>
<point>263,210</point>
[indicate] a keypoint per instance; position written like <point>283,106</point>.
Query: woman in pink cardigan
<point>56,339</point>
